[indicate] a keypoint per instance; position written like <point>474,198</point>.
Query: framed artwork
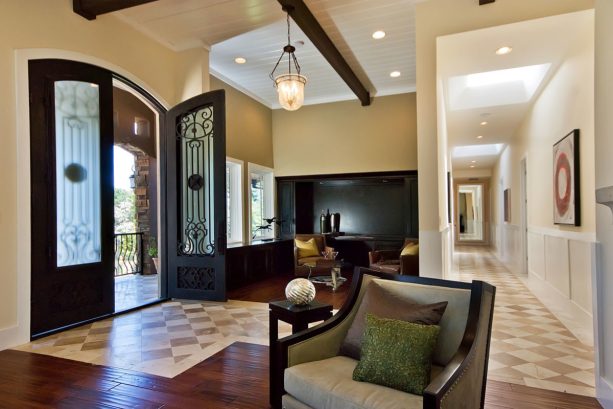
<point>507,205</point>
<point>566,181</point>
<point>449,197</point>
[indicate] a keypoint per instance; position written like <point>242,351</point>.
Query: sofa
<point>309,373</point>
<point>393,262</point>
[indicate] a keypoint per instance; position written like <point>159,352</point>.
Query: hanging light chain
<point>289,49</point>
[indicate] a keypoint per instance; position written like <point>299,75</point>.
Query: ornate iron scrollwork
<point>194,278</point>
<point>194,134</point>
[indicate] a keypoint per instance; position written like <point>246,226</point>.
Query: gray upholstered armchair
<point>308,373</point>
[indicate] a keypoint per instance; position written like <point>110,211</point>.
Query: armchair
<point>393,262</point>
<point>309,374</point>
<point>300,264</point>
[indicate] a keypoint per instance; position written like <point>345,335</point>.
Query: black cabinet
<point>249,263</point>
<point>383,205</point>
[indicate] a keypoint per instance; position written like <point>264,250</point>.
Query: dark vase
<point>336,222</point>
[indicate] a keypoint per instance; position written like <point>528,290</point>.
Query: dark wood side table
<point>300,316</point>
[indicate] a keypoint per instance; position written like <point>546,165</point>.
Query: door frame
<point>19,333</point>
<point>484,182</point>
<point>523,192</point>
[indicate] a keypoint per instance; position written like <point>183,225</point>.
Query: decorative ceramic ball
<point>300,291</point>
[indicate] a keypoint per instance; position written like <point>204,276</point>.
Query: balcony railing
<point>129,253</point>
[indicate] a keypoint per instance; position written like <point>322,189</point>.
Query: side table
<point>300,316</point>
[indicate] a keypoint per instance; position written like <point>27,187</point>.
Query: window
<point>234,200</point>
<point>261,201</point>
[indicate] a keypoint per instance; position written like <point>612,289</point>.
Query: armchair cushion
<point>410,250</point>
<point>383,303</point>
<point>307,248</point>
<point>397,354</point>
<point>327,384</point>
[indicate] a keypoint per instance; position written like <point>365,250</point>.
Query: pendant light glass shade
<point>290,88</point>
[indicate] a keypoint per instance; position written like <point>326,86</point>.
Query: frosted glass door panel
<point>77,150</point>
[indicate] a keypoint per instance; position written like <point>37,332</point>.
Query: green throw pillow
<point>397,354</point>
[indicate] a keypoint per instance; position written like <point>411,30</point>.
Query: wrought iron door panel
<point>195,137</point>
<point>196,198</point>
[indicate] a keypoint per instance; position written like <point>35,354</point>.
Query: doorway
<point>75,253</point>
<point>471,212</point>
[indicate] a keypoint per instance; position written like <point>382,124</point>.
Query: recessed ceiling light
<point>395,74</point>
<point>473,161</point>
<point>240,60</point>
<point>483,123</point>
<point>472,166</point>
<point>480,137</point>
<point>504,50</point>
<point>378,35</point>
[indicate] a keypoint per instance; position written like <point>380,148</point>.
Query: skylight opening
<point>471,151</point>
<point>530,76</point>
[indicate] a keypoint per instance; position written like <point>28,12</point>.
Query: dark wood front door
<point>196,198</point>
<point>71,154</point>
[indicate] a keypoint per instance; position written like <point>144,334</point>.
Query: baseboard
<point>604,393</point>
<point>576,319</point>
<point>11,337</point>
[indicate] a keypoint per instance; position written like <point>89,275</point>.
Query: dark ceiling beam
<point>482,2</point>
<point>303,17</point>
<point>90,9</point>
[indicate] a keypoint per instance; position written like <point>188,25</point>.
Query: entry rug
<point>163,340</point>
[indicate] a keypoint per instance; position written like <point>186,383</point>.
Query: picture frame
<point>567,180</point>
<point>507,205</point>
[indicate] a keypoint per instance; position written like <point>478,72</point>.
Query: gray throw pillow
<point>384,304</point>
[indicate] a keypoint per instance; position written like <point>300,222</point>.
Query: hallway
<point>530,346</point>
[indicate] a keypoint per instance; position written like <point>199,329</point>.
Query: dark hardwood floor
<point>236,377</point>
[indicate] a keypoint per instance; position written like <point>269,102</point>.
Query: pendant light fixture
<point>290,86</point>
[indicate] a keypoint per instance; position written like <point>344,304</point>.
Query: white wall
<point>560,257</point>
<point>436,18</point>
<point>603,301</point>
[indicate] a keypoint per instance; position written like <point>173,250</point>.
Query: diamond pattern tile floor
<point>163,340</point>
<point>530,346</point>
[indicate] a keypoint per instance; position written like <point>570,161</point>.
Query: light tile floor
<point>530,346</point>
<point>163,340</point>
<point>134,290</point>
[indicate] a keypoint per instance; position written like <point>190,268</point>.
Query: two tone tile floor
<point>162,340</point>
<point>529,346</point>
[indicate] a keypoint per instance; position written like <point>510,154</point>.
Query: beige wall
<point>248,135</point>
<point>603,288</point>
<point>344,137</point>
<point>441,17</point>
<point>51,24</point>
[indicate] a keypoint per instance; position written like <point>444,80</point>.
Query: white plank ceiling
<point>256,30</point>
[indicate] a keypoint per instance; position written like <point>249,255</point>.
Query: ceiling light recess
<point>479,136</point>
<point>395,74</point>
<point>240,60</point>
<point>504,50</point>
<point>483,123</point>
<point>378,35</point>
<point>290,86</point>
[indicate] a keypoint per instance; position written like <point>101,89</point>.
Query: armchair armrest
<point>319,342</point>
<point>462,383</point>
<point>409,265</point>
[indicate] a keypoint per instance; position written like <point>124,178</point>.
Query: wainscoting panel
<point>581,274</point>
<point>557,269</point>
<point>536,255</point>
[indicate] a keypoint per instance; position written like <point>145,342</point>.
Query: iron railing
<point>129,253</point>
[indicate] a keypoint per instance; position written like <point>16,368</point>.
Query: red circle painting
<point>562,183</point>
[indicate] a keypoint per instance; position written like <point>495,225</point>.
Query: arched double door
<point>72,221</point>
